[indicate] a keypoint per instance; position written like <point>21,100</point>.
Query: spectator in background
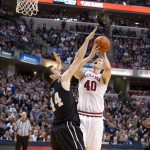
<point>22,132</point>
<point>12,109</point>
<point>42,137</point>
<point>6,136</point>
<point>31,23</point>
<point>63,25</point>
<point>44,27</point>
<point>35,113</point>
<point>2,130</point>
<point>35,135</point>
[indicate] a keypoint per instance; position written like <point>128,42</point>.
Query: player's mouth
<point>95,62</point>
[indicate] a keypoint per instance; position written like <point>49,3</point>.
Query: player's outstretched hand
<point>95,49</point>
<point>57,58</point>
<point>91,35</point>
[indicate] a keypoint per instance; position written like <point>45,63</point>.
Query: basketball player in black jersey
<point>65,133</point>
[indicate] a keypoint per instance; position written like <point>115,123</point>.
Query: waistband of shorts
<point>90,114</point>
<point>66,123</point>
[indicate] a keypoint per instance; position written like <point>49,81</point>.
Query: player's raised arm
<point>79,74</point>
<point>58,60</point>
<point>66,76</point>
<point>107,69</point>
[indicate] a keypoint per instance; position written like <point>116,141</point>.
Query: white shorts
<point>92,128</point>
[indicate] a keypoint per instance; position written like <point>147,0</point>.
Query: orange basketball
<point>104,43</point>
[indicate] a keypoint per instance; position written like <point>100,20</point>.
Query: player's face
<point>56,72</point>
<point>98,64</point>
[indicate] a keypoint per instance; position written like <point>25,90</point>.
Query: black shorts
<point>67,136</point>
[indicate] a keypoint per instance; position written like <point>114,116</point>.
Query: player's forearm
<point>59,66</point>
<point>106,62</point>
<point>85,60</point>
<point>81,52</point>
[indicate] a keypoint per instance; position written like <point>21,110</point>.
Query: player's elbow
<point>107,67</point>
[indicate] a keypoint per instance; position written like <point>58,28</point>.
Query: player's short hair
<point>46,74</point>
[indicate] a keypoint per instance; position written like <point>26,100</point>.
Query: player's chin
<point>95,66</point>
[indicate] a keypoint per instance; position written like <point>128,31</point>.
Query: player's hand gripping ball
<point>104,43</point>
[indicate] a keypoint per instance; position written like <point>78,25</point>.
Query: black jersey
<point>63,105</point>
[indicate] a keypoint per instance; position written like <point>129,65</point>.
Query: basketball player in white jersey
<point>92,87</point>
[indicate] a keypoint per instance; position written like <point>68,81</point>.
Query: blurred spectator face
<point>36,106</point>
<point>24,116</point>
<point>136,140</point>
<point>117,133</point>
<point>108,138</point>
<point>10,118</point>
<point>6,133</point>
<point>125,138</point>
<point>13,125</point>
<point>36,132</point>
<point>48,138</point>
<point>145,136</point>
<point>115,140</point>
<point>98,64</point>
<point>142,140</point>
<point>43,134</point>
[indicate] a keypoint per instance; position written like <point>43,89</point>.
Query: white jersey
<point>91,93</point>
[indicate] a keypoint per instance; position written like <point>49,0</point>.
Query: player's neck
<point>96,71</point>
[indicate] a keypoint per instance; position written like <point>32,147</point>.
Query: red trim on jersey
<point>90,112</point>
<point>90,115</point>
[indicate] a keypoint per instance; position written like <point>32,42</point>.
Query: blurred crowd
<point>67,15</point>
<point>25,93</point>
<point>123,124</point>
<point>130,50</point>
<point>128,22</point>
<point>126,2</point>
<point>64,42</point>
<point>15,34</point>
<point>139,92</point>
<point>18,93</point>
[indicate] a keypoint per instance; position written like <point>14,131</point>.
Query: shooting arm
<point>107,69</point>
<point>79,74</point>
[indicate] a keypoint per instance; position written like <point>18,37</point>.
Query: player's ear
<point>51,76</point>
<point>102,68</point>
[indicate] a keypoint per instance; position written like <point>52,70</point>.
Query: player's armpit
<point>66,85</point>
<point>106,75</point>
